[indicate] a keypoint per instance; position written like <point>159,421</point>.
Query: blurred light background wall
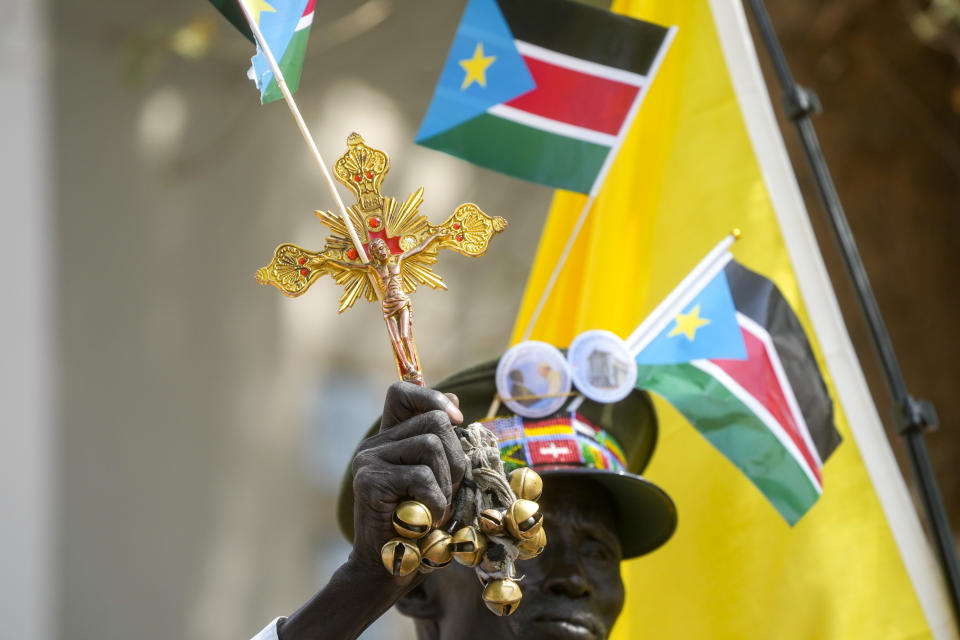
<point>173,434</point>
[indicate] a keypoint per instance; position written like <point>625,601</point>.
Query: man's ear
<point>420,602</point>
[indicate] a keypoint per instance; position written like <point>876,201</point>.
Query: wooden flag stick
<point>291,103</point>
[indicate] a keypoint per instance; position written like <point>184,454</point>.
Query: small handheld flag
<point>544,100</point>
<point>285,26</point>
<point>251,14</point>
<point>727,351</point>
<point>697,320</point>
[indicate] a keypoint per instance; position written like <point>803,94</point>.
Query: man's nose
<point>566,579</point>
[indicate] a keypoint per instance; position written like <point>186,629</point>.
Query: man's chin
<point>558,624</point>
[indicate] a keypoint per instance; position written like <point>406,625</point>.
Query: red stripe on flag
<point>758,378</point>
<point>576,98</point>
<point>309,8</point>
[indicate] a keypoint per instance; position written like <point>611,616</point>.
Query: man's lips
<point>573,625</point>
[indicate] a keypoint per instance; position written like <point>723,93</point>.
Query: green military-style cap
<point>614,444</point>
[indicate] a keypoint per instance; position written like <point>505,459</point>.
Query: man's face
<point>572,591</point>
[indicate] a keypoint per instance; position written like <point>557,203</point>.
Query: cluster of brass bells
<point>420,546</point>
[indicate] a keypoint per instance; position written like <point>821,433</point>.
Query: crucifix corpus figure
<point>399,246</point>
<point>397,308</point>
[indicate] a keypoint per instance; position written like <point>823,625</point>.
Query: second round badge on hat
<point>534,379</point>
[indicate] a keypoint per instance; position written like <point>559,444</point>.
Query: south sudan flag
<point>285,25</point>
<point>543,90</point>
<point>728,353</point>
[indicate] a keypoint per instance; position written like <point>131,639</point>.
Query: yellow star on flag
<point>257,7</point>
<point>688,323</point>
<point>476,68</point>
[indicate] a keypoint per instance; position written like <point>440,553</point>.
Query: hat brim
<point>646,516</point>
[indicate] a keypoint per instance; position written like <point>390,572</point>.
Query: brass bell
<point>526,483</point>
<point>532,547</point>
<point>502,596</point>
<point>491,522</point>
<point>523,519</point>
<point>412,519</point>
<point>400,556</point>
<point>468,546</point>
<point>435,550</point>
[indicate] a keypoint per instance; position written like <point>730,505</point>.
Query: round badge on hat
<point>601,366</point>
<point>533,379</point>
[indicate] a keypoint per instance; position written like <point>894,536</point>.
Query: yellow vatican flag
<point>704,156</point>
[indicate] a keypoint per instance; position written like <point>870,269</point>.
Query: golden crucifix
<point>399,243</point>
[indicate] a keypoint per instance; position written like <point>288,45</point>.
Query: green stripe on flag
<point>524,152</point>
<point>291,64</point>
<point>737,432</point>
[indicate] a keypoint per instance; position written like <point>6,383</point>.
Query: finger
<point>422,485</point>
<point>405,400</point>
<point>383,486</point>
<point>436,423</point>
<point>454,399</point>
<point>422,450</point>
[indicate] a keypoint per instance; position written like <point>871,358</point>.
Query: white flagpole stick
<point>278,75</point>
<point>557,268</point>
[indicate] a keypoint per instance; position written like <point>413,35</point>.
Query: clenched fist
<point>416,455</point>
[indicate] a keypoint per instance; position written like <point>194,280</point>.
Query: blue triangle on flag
<point>706,328</point>
<point>277,25</point>
<point>484,31</point>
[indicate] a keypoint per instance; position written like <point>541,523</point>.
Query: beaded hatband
<point>562,441</point>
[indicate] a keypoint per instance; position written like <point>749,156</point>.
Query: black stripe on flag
<point>232,12</point>
<point>759,299</point>
<point>585,32</point>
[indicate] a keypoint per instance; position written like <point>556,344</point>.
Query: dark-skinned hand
<point>416,455</point>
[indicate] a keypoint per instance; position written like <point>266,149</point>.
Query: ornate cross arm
<point>400,246</point>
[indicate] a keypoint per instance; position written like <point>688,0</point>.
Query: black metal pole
<point>912,415</point>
